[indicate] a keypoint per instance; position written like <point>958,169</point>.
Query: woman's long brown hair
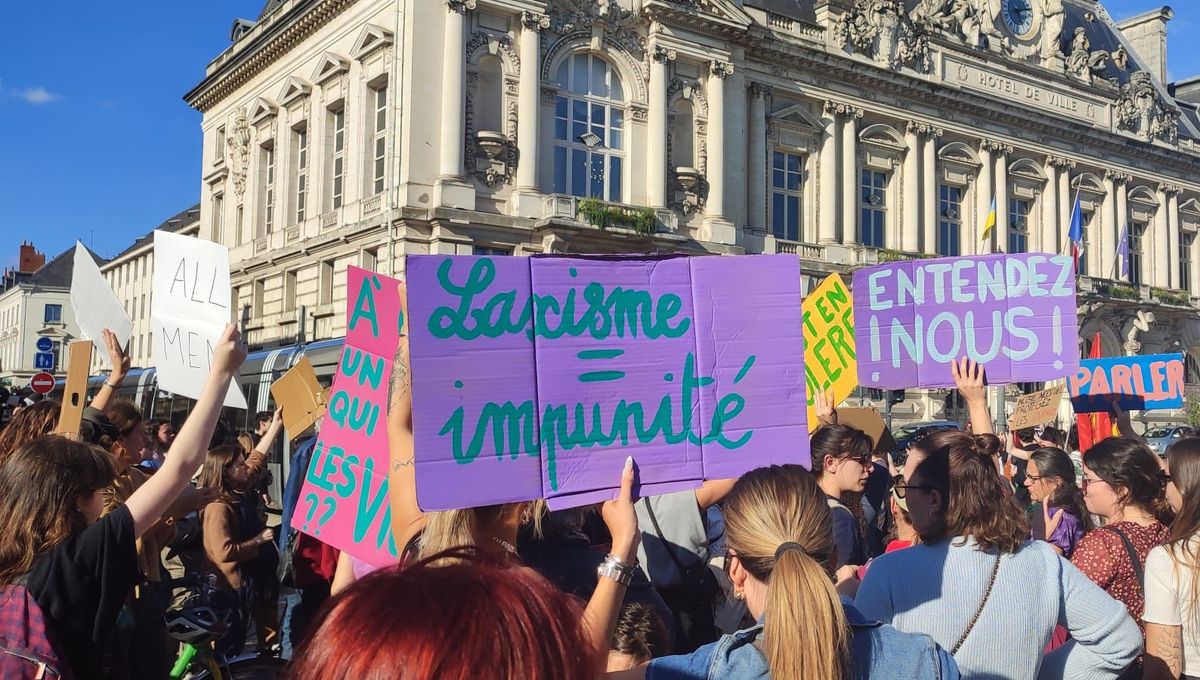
<point>1183,458</point>
<point>28,424</point>
<point>40,486</point>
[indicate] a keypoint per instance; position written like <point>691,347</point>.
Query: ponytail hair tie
<point>786,546</point>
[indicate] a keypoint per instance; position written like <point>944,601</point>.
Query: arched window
<point>589,117</point>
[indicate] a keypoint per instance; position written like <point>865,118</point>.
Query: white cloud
<point>35,95</point>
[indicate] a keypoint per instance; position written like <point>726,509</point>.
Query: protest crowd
<point>970,553</point>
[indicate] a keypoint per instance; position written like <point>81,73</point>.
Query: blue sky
<point>96,142</point>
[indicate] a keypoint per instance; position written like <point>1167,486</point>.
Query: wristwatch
<point>612,567</point>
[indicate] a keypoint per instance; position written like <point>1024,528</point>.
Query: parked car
<point>1160,437</point>
<point>906,434</point>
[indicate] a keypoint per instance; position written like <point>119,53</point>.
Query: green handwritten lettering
<point>364,307</point>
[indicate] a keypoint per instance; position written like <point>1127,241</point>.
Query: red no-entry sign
<point>42,383</point>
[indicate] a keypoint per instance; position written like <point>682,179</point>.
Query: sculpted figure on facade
<point>1134,327</point>
<point>1142,112</point>
<point>1053,16</point>
<point>239,150</point>
<point>1083,61</point>
<point>881,30</point>
<point>606,17</point>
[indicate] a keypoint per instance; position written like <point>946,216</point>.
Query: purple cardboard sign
<point>536,377</point>
<point>1013,313</point>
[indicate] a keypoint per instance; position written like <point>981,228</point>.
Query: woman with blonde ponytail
<point>780,559</point>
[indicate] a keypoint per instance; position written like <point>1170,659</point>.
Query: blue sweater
<point>936,590</point>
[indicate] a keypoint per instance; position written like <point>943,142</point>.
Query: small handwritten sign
<point>1013,313</point>
<point>536,377</point>
<point>1036,408</point>
<point>829,354</point>
<point>344,499</point>
<point>95,305</point>
<point>1138,383</point>
<point>300,396</point>
<point>188,312</point>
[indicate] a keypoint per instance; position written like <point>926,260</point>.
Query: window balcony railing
<point>1166,296</point>
<point>372,205</point>
<point>645,221</point>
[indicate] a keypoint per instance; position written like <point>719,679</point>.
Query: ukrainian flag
<point>990,223</point>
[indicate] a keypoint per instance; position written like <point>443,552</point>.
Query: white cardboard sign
<point>96,306</point>
<point>189,312</point>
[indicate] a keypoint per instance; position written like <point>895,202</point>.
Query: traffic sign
<point>42,383</point>
<point>43,361</point>
<point>44,344</point>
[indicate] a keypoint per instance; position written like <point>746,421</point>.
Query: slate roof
<point>270,6</point>
<point>801,10</point>
<point>54,274</point>
<point>176,222</point>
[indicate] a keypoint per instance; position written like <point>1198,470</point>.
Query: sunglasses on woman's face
<point>1083,483</point>
<point>902,489</point>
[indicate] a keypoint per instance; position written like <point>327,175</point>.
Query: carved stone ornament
<point>1133,328</point>
<point>1053,16</point>
<point>606,17</point>
<point>881,30</point>
<point>238,143</point>
<point>970,21</point>
<point>1142,112</point>
<point>1084,62</point>
<point>463,6</point>
<point>535,21</point>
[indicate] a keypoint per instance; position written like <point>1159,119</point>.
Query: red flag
<point>1093,428</point>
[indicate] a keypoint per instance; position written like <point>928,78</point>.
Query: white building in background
<point>130,274</point>
<point>35,302</point>
<point>341,132</point>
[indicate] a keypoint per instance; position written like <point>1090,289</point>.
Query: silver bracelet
<point>616,569</point>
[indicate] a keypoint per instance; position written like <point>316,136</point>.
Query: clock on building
<point>1018,16</point>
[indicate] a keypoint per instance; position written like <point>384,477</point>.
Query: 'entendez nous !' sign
<point>536,377</point>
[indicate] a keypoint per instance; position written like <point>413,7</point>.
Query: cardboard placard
<point>536,377</point>
<point>300,396</point>
<point>95,305</point>
<point>189,312</point>
<point>79,362</point>
<point>829,354</point>
<point>1138,383</point>
<point>871,422</point>
<point>1015,314</point>
<point>344,499</point>
<point>1036,408</point>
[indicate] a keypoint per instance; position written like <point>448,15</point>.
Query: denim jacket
<point>877,652</point>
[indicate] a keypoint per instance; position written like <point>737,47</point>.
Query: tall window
<point>949,220</point>
<point>787,175</point>
<point>379,139</point>
<point>337,177</point>
<point>1135,252</point>
<point>326,284</point>
<point>289,291</point>
<point>300,146</point>
<point>491,251</point>
<point>1018,225</point>
<point>589,119</point>
<point>218,206</point>
<point>873,208</point>
<point>219,152</point>
<point>1185,261</point>
<point>268,188</point>
<point>1083,247</point>
<point>52,314</point>
<point>239,226</point>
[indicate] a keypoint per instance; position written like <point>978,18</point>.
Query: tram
<point>260,369</point>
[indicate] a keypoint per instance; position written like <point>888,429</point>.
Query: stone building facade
<point>847,132</point>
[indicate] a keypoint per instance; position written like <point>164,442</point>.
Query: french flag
<point>1075,233</point>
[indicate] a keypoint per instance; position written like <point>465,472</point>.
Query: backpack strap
<point>1133,556</point>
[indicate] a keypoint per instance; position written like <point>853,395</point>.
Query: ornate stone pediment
<point>294,88</point>
<point>713,11</point>
<point>883,31</point>
<point>796,116</point>
<point>370,39</point>
<point>261,109</point>
<point>330,66</point>
<point>608,19</point>
<point>959,153</point>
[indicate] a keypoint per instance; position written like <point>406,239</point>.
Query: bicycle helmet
<point>199,620</point>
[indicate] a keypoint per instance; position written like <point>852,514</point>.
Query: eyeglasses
<point>1083,483</point>
<point>864,460</point>
<point>901,489</point>
<point>1034,478</point>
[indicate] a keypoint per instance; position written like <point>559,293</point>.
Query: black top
<point>846,535</point>
<point>879,483</point>
<point>82,584</point>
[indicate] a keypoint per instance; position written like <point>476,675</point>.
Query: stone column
<point>450,157</point>
<point>1122,216</point>
<point>827,220</point>
<point>983,197</point>
<point>529,104</point>
<point>1173,236</point>
<point>1104,248</point>
<point>1066,203</point>
<point>929,189</point>
<point>656,133</point>
<point>1163,264</point>
<point>850,177</point>
<point>1195,268</point>
<point>1000,233</point>
<point>1047,239</point>
<point>715,206</point>
<point>757,173</point>
<point>910,230</point>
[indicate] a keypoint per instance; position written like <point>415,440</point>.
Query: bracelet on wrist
<point>616,569</point>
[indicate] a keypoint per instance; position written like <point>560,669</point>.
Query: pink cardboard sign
<point>344,500</point>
